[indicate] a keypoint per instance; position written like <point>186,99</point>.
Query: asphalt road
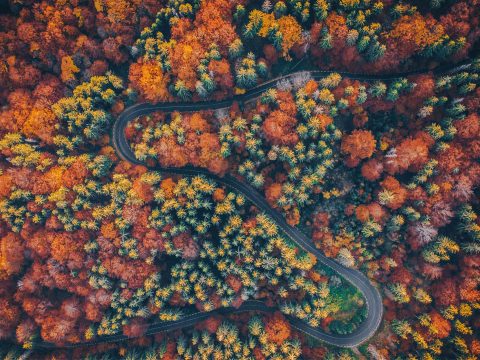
<point>370,293</point>
<point>372,296</point>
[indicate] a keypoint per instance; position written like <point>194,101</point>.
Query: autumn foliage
<point>359,145</point>
<point>381,172</point>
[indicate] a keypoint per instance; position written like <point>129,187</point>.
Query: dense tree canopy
<point>383,176</point>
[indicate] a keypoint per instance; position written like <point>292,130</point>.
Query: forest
<point>356,120</point>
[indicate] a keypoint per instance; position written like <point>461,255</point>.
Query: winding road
<point>373,299</point>
<point>372,296</point>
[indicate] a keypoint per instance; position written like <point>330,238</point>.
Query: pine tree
<point>402,328</point>
<point>235,49</point>
<point>181,90</point>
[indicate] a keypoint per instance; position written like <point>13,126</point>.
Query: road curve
<point>371,294</point>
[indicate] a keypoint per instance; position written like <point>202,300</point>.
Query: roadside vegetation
<point>383,175</point>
